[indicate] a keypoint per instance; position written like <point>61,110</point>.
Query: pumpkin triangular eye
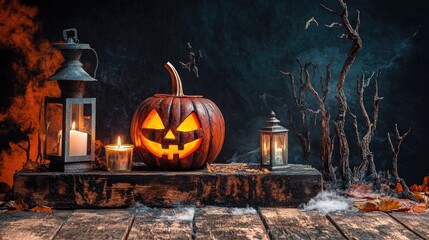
<point>153,121</point>
<point>191,123</point>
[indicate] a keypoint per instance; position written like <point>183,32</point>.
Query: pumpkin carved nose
<point>170,135</point>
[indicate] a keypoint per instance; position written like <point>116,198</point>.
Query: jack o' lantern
<point>177,132</point>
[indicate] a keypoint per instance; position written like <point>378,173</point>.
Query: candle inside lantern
<point>78,142</point>
<point>278,156</point>
<point>119,157</point>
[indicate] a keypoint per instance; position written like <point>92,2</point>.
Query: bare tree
<point>300,104</point>
<point>305,84</point>
<point>367,157</point>
<point>395,151</point>
<point>326,143</point>
<point>25,133</point>
<point>29,165</point>
<point>351,33</point>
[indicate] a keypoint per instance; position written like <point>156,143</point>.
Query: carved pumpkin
<point>177,132</point>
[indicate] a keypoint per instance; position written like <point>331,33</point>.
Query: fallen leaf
<point>419,196</point>
<point>41,209</point>
<point>369,206</point>
<point>209,168</point>
<point>389,205</point>
<point>362,191</point>
<point>399,187</point>
<point>419,208</point>
<point>17,205</point>
<point>421,188</point>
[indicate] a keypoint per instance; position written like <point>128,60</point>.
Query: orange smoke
<point>17,32</point>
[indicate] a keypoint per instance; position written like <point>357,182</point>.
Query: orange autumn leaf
<point>421,188</point>
<point>384,205</point>
<point>419,196</point>
<point>389,205</point>
<point>41,209</point>
<point>399,187</point>
<point>418,208</point>
<point>209,168</point>
<point>367,207</point>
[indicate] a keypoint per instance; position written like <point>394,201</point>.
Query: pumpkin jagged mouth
<point>157,150</point>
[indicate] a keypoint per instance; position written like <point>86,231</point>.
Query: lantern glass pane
<point>80,130</point>
<point>279,149</point>
<point>265,149</point>
<point>53,126</point>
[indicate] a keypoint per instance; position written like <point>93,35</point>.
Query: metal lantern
<point>70,120</point>
<point>274,147</point>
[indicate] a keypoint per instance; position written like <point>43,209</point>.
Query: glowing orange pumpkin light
<point>176,131</point>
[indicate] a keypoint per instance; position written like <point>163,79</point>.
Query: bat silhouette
<point>192,58</point>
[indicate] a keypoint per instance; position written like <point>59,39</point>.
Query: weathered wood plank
<point>96,224</point>
<point>372,225</point>
<point>292,223</point>
<point>166,223</point>
<point>228,223</point>
<point>29,225</point>
<point>417,222</point>
<point>291,187</point>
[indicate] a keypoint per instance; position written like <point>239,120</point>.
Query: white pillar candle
<point>78,142</point>
<point>278,156</point>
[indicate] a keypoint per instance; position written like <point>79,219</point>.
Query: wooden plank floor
<point>211,223</point>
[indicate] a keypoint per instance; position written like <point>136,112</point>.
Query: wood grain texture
<point>166,223</point>
<point>228,223</point>
<point>292,223</point>
<point>29,225</point>
<point>372,225</point>
<point>291,187</point>
<point>96,224</point>
<point>416,222</point>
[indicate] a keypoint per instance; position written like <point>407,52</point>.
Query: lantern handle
<point>96,65</point>
<point>74,36</point>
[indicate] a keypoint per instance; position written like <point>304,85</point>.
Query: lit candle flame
<point>73,126</point>
<point>119,141</point>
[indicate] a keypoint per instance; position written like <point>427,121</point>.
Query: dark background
<point>244,45</point>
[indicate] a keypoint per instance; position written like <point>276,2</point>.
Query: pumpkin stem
<point>175,80</point>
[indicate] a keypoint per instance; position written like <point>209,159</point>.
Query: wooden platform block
<point>96,224</point>
<point>29,225</point>
<point>292,223</point>
<point>372,225</point>
<point>228,223</point>
<point>290,187</point>
<point>163,223</point>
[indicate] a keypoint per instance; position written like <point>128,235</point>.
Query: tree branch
<point>328,9</point>
<point>299,101</point>
<point>395,151</point>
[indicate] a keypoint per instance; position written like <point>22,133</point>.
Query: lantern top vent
<point>71,69</point>
<point>71,41</point>
<point>273,124</point>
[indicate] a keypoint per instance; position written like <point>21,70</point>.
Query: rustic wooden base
<point>211,223</point>
<point>290,187</point>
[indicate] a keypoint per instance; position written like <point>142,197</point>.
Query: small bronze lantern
<point>274,147</point>
<point>70,120</point>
